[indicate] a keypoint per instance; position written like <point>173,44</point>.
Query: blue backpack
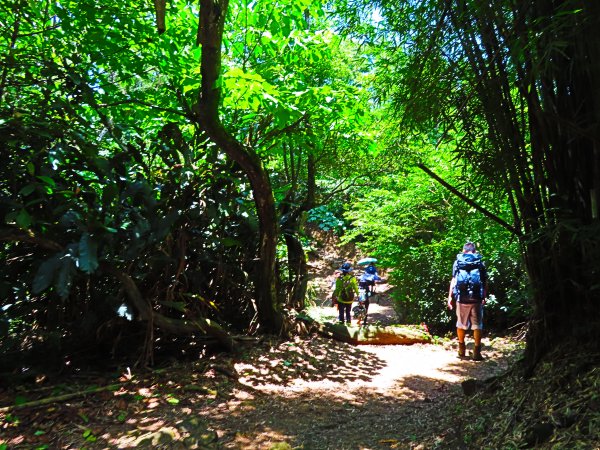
<point>371,270</point>
<point>470,277</point>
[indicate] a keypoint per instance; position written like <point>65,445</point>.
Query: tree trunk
<point>291,224</point>
<point>298,271</point>
<point>210,35</point>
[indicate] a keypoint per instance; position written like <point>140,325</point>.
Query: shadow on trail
<point>327,422</point>
<point>320,360</point>
<point>313,394</point>
<point>364,418</point>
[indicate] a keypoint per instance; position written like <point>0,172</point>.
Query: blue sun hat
<point>346,268</point>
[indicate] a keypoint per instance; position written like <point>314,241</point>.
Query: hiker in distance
<point>366,284</point>
<point>469,288</point>
<point>346,287</point>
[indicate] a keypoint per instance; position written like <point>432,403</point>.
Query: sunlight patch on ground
<point>405,371</point>
<point>401,363</point>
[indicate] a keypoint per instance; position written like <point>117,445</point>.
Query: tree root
<point>175,326</point>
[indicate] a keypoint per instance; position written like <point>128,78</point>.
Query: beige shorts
<point>469,315</point>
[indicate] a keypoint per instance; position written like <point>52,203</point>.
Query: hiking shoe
<point>462,349</point>
<point>477,353</point>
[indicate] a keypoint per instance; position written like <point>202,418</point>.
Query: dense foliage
<point>161,164</point>
<point>513,87</point>
<point>120,216</point>
<point>415,227</point>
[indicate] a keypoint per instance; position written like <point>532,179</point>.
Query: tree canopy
<point>164,163</point>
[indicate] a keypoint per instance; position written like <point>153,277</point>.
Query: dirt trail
<point>336,396</point>
<point>341,397</point>
<point>326,395</point>
<point>314,394</point>
<point>310,394</point>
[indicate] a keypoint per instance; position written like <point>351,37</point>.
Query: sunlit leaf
<point>172,400</point>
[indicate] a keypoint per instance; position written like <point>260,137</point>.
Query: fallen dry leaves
<point>307,393</point>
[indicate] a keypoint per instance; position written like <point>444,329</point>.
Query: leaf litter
<point>314,393</point>
<point>308,393</point>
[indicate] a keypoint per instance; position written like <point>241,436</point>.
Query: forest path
<point>309,393</point>
<point>326,395</point>
<point>319,394</point>
<point>335,396</point>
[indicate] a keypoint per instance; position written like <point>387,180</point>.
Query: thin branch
<point>33,33</point>
<point>29,237</point>
<point>469,201</point>
<point>278,132</point>
<point>60,398</point>
<point>175,326</point>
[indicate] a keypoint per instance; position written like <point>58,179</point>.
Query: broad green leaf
<point>68,194</point>
<point>49,181</point>
<point>179,306</point>
<point>110,193</point>
<point>88,253</point>
<point>230,242</point>
<point>27,189</point>
<point>45,274</point>
<point>20,400</point>
<point>165,224</point>
<point>23,219</point>
<point>64,276</point>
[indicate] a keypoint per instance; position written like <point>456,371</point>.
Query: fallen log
<point>371,334</point>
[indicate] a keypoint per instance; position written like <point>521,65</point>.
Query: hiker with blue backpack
<point>366,284</point>
<point>469,288</point>
<point>346,287</point>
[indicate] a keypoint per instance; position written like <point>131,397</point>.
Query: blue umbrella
<point>365,261</point>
